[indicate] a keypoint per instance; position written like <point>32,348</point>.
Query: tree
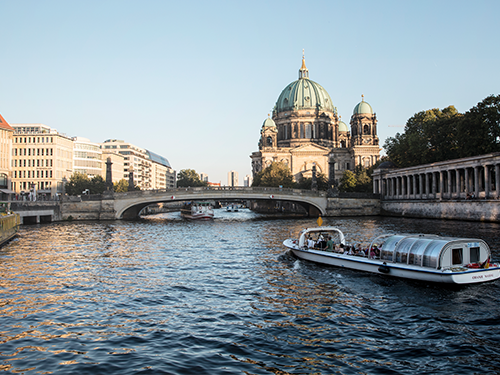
<point>429,136</point>
<point>363,180</point>
<point>77,184</point>
<point>274,175</point>
<point>347,182</point>
<point>189,177</point>
<point>479,130</point>
<point>121,186</point>
<point>97,185</point>
<point>80,182</point>
<point>306,182</point>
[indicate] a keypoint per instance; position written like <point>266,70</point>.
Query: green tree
<point>429,136</point>
<point>189,177</point>
<point>479,130</point>
<point>347,182</point>
<point>363,180</point>
<point>121,186</point>
<point>306,182</point>
<point>276,174</point>
<point>97,185</point>
<point>77,184</point>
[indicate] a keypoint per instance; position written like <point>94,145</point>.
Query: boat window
<point>431,253</point>
<point>456,256</point>
<point>474,254</point>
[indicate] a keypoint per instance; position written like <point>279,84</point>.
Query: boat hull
<point>9,225</point>
<point>467,276</point>
<point>203,216</point>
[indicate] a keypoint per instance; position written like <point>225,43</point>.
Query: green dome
<point>304,94</point>
<point>343,127</point>
<point>269,123</point>
<point>362,107</point>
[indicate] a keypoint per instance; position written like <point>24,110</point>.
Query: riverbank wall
<point>467,210</point>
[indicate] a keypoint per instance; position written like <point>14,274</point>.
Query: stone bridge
<point>128,205</point>
<point>116,206</point>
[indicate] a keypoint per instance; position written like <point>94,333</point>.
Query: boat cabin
<point>432,251</point>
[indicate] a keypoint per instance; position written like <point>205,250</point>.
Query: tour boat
<point>420,257</point>
<point>232,208</point>
<point>197,211</point>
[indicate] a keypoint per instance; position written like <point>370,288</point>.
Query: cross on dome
<point>303,71</point>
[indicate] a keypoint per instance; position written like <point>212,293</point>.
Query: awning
<point>7,191</point>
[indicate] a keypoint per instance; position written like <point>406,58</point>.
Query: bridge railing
<point>259,189</point>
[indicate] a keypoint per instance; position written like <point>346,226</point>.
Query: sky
<point>193,81</point>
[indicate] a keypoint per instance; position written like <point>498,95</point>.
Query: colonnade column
<point>457,177</point>
<point>487,181</point>
<point>414,186</point>
<point>434,184</point>
<point>466,180</point>
<point>497,179</point>
<point>427,185</point>
<point>448,172</point>
<point>441,185</point>
<point>421,185</point>
<point>476,181</point>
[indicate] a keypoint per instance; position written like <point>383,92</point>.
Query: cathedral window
<point>269,141</point>
<point>366,130</point>
<point>308,131</point>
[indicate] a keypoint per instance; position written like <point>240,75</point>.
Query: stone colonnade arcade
<point>466,178</point>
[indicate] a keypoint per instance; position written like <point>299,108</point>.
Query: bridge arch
<point>129,205</point>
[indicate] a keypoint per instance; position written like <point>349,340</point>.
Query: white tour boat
<point>197,211</point>
<point>232,208</point>
<point>419,257</point>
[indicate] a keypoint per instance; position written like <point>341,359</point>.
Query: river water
<point>168,296</point>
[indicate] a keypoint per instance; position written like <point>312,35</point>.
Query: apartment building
<point>42,159</point>
<point>150,170</point>
<point>87,158</point>
<point>6,135</point>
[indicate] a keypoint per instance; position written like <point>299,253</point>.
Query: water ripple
<point>165,296</point>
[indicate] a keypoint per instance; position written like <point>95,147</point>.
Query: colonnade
<point>466,178</point>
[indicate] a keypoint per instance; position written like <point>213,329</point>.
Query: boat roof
<point>326,229</point>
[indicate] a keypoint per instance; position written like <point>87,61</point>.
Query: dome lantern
<point>303,71</point>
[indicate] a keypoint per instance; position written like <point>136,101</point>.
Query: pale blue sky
<point>194,80</point>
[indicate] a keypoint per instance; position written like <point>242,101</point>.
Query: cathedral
<point>306,130</point>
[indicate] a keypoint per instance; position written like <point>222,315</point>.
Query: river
<point>167,296</point>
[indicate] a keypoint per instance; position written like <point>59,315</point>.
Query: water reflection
<point>166,295</point>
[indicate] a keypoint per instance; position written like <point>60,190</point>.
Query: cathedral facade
<point>306,130</point>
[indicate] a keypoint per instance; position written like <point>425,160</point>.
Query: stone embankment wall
<point>353,207</point>
<point>88,210</point>
<point>471,210</point>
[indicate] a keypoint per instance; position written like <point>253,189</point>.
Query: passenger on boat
<point>329,244</point>
<point>321,243</point>
<point>351,250</point>
<point>310,243</point>
<point>359,251</point>
<point>372,253</point>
